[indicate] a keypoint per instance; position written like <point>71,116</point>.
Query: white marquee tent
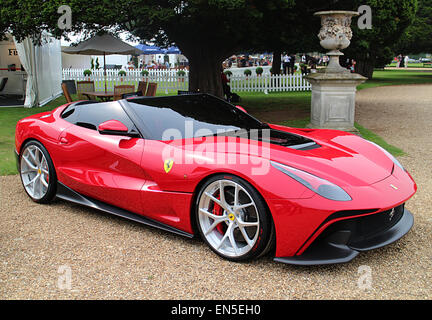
<point>32,71</point>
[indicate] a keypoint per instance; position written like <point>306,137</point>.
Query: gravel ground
<point>111,258</point>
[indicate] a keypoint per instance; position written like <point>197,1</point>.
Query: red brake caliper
<point>218,211</point>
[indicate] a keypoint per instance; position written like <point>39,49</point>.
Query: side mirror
<point>115,128</point>
<point>241,108</point>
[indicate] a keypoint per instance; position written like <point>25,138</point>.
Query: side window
<point>70,114</point>
<point>90,116</point>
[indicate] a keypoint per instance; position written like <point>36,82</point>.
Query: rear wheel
<point>233,219</point>
<point>37,172</point>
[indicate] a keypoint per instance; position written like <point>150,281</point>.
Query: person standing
<point>286,63</point>
<point>292,63</point>
<point>353,63</point>
<point>402,62</point>
<point>303,58</point>
<point>225,86</point>
<point>399,58</point>
<point>303,64</point>
<point>325,60</point>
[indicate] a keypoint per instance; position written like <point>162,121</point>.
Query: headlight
<point>320,186</point>
<point>395,161</point>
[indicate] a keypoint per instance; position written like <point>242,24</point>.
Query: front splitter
<point>331,253</point>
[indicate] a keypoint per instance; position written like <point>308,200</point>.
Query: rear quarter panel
<point>45,127</point>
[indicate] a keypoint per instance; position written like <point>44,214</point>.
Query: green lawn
<point>412,65</point>
<point>258,101</point>
<point>397,77</point>
<point>253,102</point>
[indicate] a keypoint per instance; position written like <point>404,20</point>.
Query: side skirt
<point>66,193</point>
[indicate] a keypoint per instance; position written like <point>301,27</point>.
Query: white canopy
<point>42,65</point>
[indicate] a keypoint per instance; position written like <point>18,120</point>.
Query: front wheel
<point>233,219</point>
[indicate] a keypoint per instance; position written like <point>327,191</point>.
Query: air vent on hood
<point>277,137</point>
<point>290,140</point>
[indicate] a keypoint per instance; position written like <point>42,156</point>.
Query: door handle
<point>64,140</point>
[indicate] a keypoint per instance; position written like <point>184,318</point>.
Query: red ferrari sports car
<point>196,165</point>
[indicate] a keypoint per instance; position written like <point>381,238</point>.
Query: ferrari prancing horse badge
<point>168,164</point>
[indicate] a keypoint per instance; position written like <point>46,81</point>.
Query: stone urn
<point>335,35</point>
<point>334,87</point>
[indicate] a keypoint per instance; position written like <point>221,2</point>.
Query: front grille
<point>366,227</point>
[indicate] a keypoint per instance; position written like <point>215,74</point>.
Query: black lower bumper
<point>340,244</point>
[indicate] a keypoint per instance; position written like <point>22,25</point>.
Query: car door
<point>104,167</point>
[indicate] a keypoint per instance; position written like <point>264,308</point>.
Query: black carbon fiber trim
<point>337,247</point>
<point>334,216</point>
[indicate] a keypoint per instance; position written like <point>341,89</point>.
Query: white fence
<point>169,81</point>
<point>269,83</point>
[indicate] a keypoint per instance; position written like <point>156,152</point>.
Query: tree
<point>276,30</point>
<point>418,36</point>
<point>376,47</point>
<point>295,29</point>
<point>209,31</point>
<point>206,31</point>
<point>291,29</point>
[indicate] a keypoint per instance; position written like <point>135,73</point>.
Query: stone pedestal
<point>333,100</point>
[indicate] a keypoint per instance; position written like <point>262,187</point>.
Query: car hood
<point>339,157</point>
<point>343,158</point>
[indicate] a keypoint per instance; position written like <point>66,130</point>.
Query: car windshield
<point>190,116</point>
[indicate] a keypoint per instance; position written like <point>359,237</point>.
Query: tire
<point>37,172</point>
<point>237,225</point>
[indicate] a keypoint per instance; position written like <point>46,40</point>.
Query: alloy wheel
<point>228,218</point>
<point>34,172</point>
